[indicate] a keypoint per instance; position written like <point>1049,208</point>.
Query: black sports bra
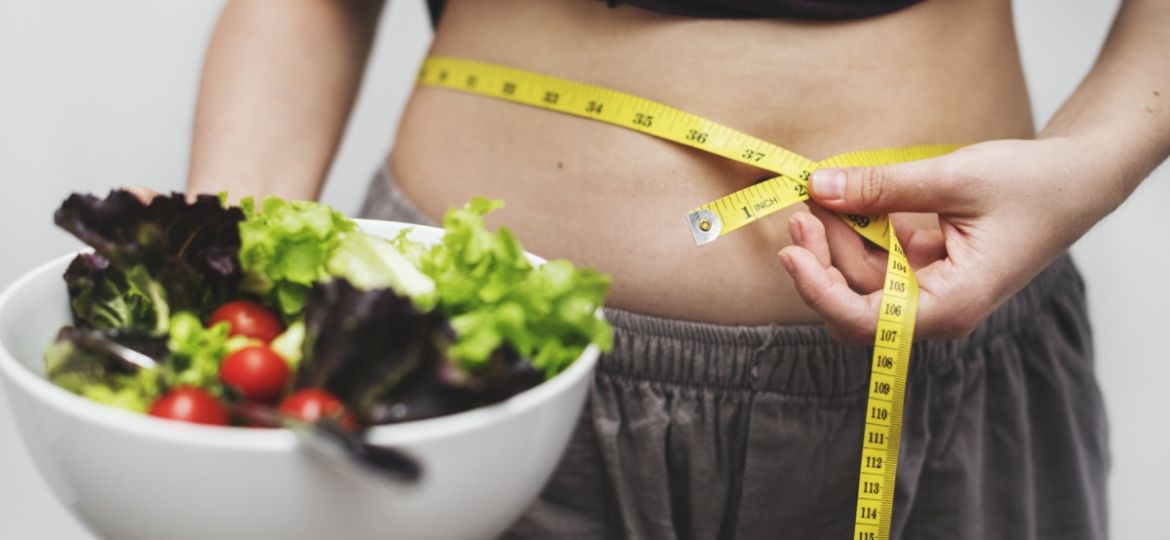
<point>797,9</point>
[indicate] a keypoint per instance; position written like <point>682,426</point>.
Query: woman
<point>726,409</point>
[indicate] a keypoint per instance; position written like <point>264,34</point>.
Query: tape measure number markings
<point>887,391</point>
<point>895,326</point>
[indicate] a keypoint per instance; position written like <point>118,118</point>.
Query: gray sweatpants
<point>701,431</point>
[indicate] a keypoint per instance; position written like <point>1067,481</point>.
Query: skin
<point>280,77</point>
<point>993,237</point>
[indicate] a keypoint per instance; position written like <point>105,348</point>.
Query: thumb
<point>916,186</point>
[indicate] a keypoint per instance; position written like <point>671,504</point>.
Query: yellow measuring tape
<point>895,327</point>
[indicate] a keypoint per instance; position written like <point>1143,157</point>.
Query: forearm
<point>1122,108</point>
<point>278,84</point>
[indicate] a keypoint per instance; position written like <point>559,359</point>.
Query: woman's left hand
<point>1006,209</point>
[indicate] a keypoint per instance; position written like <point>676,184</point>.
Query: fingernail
<point>828,184</point>
<point>795,230</point>
<point>786,260</point>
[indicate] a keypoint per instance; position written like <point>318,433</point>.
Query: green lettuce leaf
<point>106,298</point>
<point>290,344</point>
<point>81,362</point>
<point>369,262</point>
<point>287,246</point>
<point>90,363</point>
<point>196,352</point>
<point>414,252</point>
<point>284,248</point>
<point>494,296</point>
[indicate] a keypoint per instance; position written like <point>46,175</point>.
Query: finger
<point>943,286</point>
<point>922,246</point>
<point>862,263</point>
<point>929,185</point>
<point>808,233</point>
<point>849,316</point>
<point>143,193</point>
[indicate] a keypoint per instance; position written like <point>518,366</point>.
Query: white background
<point>100,94</point>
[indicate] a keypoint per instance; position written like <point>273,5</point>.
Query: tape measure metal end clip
<point>705,226</point>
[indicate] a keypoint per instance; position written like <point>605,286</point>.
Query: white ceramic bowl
<point>131,476</point>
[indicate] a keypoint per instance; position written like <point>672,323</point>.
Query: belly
<point>946,71</point>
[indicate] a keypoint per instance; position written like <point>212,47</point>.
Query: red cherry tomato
<point>256,371</point>
<point>248,319</point>
<point>312,404</point>
<point>190,405</point>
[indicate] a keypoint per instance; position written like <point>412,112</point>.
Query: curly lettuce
<point>370,262</point>
<point>495,297</point>
<point>93,364</point>
<point>389,362</point>
<point>173,254</point>
<point>196,352</point>
<point>398,330</point>
<point>285,246</point>
<point>105,298</point>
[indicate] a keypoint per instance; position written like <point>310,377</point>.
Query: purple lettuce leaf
<point>388,362</point>
<point>190,249</point>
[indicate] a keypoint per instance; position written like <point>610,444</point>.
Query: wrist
<point>1128,146</point>
<point>1103,169</point>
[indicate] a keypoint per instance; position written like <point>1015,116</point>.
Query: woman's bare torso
<point>945,71</point>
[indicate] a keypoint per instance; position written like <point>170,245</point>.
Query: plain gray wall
<point>95,95</point>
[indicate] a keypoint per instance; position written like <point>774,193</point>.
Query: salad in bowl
<point>452,346</point>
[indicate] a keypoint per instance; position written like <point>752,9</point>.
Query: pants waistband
<point>648,347</point>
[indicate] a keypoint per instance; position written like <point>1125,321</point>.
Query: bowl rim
<point>234,437</point>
